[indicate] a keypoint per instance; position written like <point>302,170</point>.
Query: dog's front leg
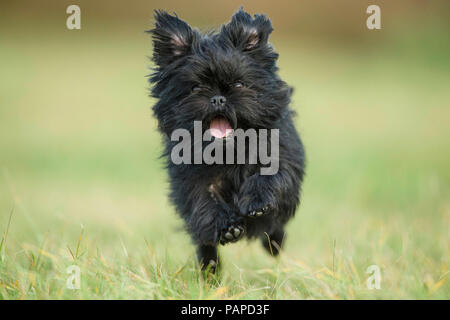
<point>213,221</point>
<point>261,195</point>
<point>210,223</point>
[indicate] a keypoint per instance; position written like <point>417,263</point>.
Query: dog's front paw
<point>231,234</point>
<point>258,212</point>
<point>254,207</point>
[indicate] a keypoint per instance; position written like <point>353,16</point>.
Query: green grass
<point>79,170</point>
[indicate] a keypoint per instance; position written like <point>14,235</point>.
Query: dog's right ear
<point>172,38</point>
<point>246,33</point>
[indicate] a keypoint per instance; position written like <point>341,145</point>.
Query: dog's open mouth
<point>220,127</point>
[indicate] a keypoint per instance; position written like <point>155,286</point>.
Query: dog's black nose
<point>218,101</point>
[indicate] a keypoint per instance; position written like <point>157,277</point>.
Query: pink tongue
<point>220,127</point>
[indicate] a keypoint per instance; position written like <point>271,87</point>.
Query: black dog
<point>228,80</point>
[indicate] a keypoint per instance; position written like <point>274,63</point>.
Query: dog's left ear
<point>172,38</point>
<point>247,33</point>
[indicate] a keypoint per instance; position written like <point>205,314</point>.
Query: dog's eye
<point>238,84</point>
<point>196,88</point>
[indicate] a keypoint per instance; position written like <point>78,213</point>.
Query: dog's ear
<point>247,33</point>
<point>172,38</point>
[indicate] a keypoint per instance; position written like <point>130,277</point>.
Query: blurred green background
<point>80,173</point>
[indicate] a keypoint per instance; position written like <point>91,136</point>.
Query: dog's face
<point>227,79</point>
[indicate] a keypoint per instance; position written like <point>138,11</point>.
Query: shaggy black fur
<point>222,203</point>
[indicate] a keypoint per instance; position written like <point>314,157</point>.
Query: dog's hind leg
<point>208,257</point>
<point>274,241</point>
